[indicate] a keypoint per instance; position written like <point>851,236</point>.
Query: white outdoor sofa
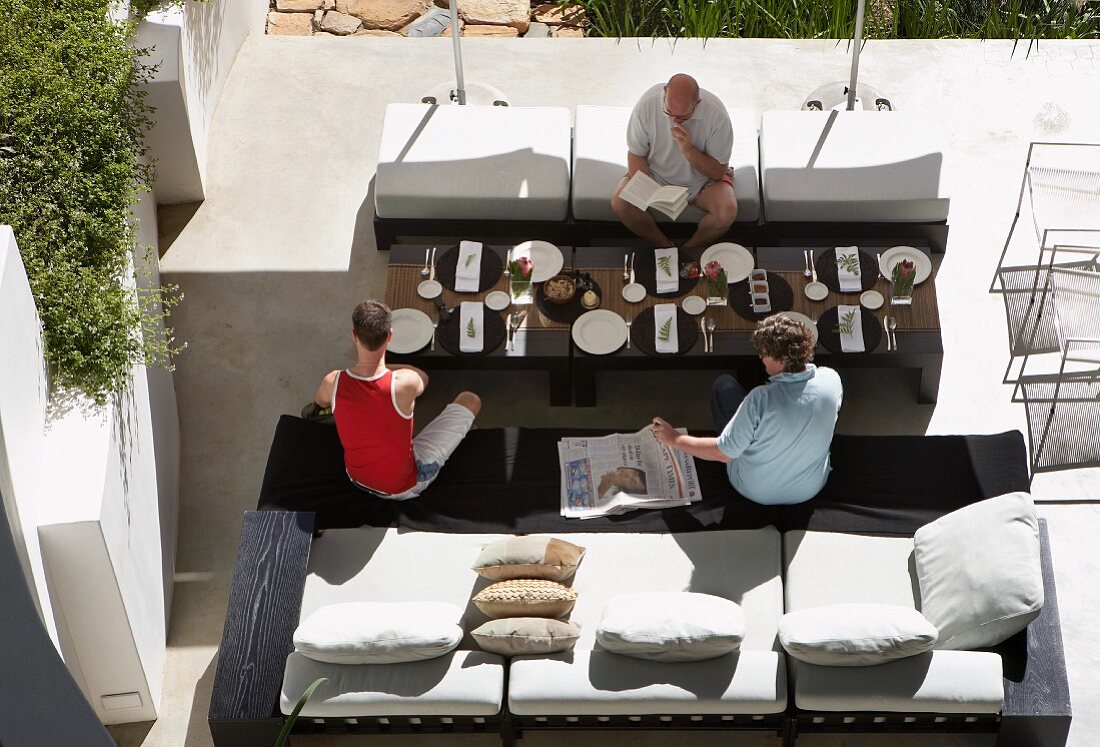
<point>537,172</point>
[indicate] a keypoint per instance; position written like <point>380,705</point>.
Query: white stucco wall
<point>194,48</point>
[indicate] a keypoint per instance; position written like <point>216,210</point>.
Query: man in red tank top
<point>372,404</point>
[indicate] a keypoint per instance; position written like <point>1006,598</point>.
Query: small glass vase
<point>901,294</point>
<point>717,291</point>
<point>522,292</point>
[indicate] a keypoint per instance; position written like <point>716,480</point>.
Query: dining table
<point>917,331</point>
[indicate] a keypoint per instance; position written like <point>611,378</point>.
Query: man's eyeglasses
<point>682,117</point>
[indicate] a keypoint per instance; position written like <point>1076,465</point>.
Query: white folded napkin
<point>471,312</point>
<point>851,343</point>
<point>662,313</point>
<point>668,282</point>
<point>849,282</point>
<point>468,271</point>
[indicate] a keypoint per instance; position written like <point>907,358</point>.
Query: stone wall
<point>422,18</point>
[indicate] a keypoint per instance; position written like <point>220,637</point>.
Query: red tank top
<point>376,436</point>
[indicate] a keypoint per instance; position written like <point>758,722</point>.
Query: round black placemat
<point>830,338</point>
<point>645,272</point>
<point>781,293</point>
<point>448,333</point>
<point>492,266</point>
<point>643,332</point>
<point>566,313</point>
<point>826,271</point>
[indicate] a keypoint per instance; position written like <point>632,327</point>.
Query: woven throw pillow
<point>379,632</point>
<point>524,636</point>
<point>671,626</point>
<point>980,574</point>
<point>526,597</point>
<point>853,635</point>
<point>529,557</point>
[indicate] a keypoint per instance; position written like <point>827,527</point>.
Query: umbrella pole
<point>460,83</point>
<point>855,55</point>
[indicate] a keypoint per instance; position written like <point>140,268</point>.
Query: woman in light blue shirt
<point>775,439</point>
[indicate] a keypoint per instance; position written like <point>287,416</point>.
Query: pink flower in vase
<point>523,267</point>
<point>713,269</point>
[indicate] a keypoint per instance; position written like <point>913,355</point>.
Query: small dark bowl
<point>556,280</point>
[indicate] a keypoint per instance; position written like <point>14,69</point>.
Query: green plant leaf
<point>850,262</point>
<point>469,259</point>
<point>847,324</point>
<point>284,735</point>
<point>666,330</point>
<point>665,263</point>
<point>471,331</point>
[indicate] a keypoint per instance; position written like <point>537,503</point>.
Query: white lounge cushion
<point>671,626</point>
<point>462,683</point>
<point>490,162</point>
<point>981,577</point>
<point>824,568</point>
<point>602,683</point>
<point>932,682</point>
<point>852,635</point>
<point>379,632</point>
<point>872,166</point>
<point>599,162</point>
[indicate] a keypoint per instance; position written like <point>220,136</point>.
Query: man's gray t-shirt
<point>649,134</point>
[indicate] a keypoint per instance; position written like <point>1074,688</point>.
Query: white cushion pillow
<point>379,632</point>
<point>853,635</point>
<point>671,626</point>
<point>980,574</point>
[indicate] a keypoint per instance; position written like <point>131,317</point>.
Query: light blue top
<point>779,437</point>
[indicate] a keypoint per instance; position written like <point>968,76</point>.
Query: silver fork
<point>511,331</point>
<point>892,324</point>
<point>806,259</point>
<point>628,323</point>
<point>711,326</point>
<point>626,270</point>
<point>434,325</point>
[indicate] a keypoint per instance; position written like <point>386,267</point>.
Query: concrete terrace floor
<point>274,259</point>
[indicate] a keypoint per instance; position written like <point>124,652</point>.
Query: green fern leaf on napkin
<point>847,323</point>
<point>665,263</point>
<point>470,330</point>
<point>469,259</point>
<point>666,330</point>
<point>850,262</point>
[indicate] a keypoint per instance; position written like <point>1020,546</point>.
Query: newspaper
<point>614,474</point>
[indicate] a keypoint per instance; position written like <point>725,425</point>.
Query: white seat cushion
<point>599,162</point>
<point>855,635</point>
<point>379,632</point>
<point>824,568</point>
<point>872,166</point>
<point>483,162</point>
<point>462,683</point>
<point>602,683</point>
<point>932,682</point>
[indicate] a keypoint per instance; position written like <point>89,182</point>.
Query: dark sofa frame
<point>266,597</point>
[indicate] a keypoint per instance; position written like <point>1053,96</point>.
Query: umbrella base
<point>835,96</point>
<point>479,94</point>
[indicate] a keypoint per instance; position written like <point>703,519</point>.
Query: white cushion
<point>379,632</point>
<point>601,683</point>
<point>386,564</point>
<point>490,162</point>
<point>671,626</point>
<point>872,166</point>
<point>599,162</point>
<point>462,683</point>
<point>981,577</point>
<point>852,635</point>
<point>825,568</point>
<point>932,682</point>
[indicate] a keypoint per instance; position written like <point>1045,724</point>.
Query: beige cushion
<point>529,557</point>
<point>852,635</point>
<point>526,598</point>
<point>379,632</point>
<point>516,636</point>
<point>671,626</point>
<point>981,578</point>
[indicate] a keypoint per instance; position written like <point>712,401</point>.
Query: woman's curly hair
<point>788,341</point>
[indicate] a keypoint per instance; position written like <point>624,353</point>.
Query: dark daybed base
<point>269,579</point>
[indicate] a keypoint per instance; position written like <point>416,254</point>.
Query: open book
<point>644,193</point>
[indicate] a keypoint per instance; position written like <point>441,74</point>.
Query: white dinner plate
<point>736,260</point>
<point>795,316</point>
<point>498,300</point>
<point>634,292</point>
<point>599,332</point>
<point>412,330</point>
<point>871,299</point>
<point>548,259</point>
<point>895,254</point>
<point>429,289</point>
<point>694,305</point>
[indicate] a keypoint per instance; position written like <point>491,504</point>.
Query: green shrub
<point>75,121</point>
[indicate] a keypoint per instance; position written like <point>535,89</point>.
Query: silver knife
<point>632,267</point>
<point>511,331</point>
<point>703,329</point>
<point>431,273</point>
<point>886,331</point>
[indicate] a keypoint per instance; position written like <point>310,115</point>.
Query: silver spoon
<point>424,269</point>
<point>806,259</point>
<point>892,324</point>
<point>626,273</point>
<point>711,326</point>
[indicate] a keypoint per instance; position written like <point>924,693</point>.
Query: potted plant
<point>717,283</point>
<point>520,270</point>
<point>902,279</point>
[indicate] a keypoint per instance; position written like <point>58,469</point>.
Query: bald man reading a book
<point>681,136</point>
